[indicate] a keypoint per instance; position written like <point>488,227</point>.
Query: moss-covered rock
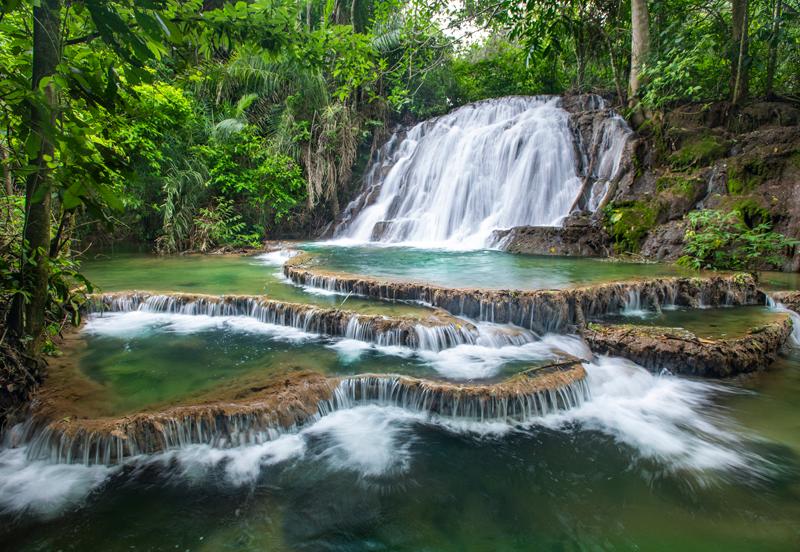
<point>628,222</point>
<point>752,213</point>
<point>683,352</point>
<point>699,150</point>
<point>745,175</point>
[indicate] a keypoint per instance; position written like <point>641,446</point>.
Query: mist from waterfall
<point>452,181</point>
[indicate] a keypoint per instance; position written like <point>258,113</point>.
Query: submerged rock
<point>682,352</point>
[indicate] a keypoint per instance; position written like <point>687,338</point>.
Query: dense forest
<point>197,124</point>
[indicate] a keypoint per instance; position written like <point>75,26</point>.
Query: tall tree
<point>739,42</point>
<point>772,55</point>
<point>640,46</point>
<point>35,269</point>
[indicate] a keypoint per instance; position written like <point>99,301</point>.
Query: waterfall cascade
<point>297,403</point>
<point>436,332</point>
<point>490,165</point>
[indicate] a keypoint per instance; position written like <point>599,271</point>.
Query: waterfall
<point>491,165</point>
<point>794,339</point>
<point>433,334</point>
<point>500,403</point>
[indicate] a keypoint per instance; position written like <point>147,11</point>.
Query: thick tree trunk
<point>640,46</point>
<point>772,57</point>
<point>739,65</point>
<point>35,275</point>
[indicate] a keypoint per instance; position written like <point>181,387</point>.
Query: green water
<point>143,360</point>
<point>649,463</point>
<point>572,487</point>
<point>717,323</point>
<point>219,275</point>
<point>484,269</point>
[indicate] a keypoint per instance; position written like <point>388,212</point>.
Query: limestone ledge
<point>539,310</point>
<point>790,299</point>
<point>381,329</point>
<point>683,352</point>
<point>284,403</point>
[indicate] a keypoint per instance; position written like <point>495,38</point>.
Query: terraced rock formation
<point>540,310</point>
<point>287,402</point>
<point>683,352</point>
<point>439,330</point>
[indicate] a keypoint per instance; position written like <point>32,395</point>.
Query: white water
<point>496,164</point>
<point>143,323</point>
<point>661,418</point>
<point>794,337</point>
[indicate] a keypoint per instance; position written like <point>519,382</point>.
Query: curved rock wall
<point>290,402</point>
<point>542,310</point>
<point>435,332</point>
<point>682,352</point>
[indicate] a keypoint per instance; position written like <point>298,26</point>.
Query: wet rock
<point>438,330</point>
<point>540,310</point>
<point>790,299</point>
<point>580,236</point>
<point>665,242</point>
<point>279,405</point>
<point>285,402</point>
<point>535,392</point>
<point>682,352</point>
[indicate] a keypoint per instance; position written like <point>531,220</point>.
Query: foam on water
<point>143,323</point>
<point>481,361</point>
<point>662,417</point>
<point>277,257</point>
<point>45,489</point>
<point>240,465</point>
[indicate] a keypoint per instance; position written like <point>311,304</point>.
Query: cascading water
<point>491,165</point>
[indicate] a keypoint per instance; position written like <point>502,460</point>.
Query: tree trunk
<point>618,82</point>
<point>772,57</point>
<point>739,65</point>
<point>5,160</point>
<point>640,46</point>
<point>353,4</point>
<point>35,275</point>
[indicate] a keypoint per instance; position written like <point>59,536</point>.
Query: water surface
<point>652,463</point>
<point>481,268</point>
<point>716,323</point>
<point>221,275</point>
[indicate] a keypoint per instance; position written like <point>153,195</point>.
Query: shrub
<point>720,240</point>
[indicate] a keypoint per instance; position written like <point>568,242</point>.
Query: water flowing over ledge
<point>290,402</point>
<point>435,332</point>
<point>494,164</point>
<point>537,393</point>
<point>542,311</point>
